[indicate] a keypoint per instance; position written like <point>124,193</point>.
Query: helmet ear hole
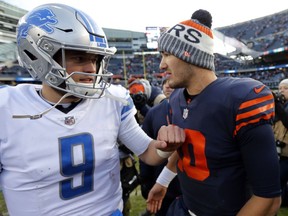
<point>99,64</point>
<point>30,55</point>
<point>58,57</point>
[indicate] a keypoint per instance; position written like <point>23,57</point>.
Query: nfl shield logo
<point>70,120</point>
<point>185,113</point>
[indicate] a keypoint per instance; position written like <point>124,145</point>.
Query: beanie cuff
<point>186,52</point>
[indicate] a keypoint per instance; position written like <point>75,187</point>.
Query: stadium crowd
<point>264,34</point>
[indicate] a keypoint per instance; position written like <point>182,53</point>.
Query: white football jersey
<point>64,164</point>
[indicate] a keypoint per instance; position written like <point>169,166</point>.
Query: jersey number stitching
<point>192,156</point>
<point>70,169</point>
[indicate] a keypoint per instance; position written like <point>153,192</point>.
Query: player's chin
<point>73,97</point>
<point>172,83</point>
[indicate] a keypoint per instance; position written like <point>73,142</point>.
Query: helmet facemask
<point>55,28</point>
<point>61,80</point>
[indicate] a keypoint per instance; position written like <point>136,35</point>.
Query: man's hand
<point>172,135</point>
<point>155,198</point>
<point>169,139</point>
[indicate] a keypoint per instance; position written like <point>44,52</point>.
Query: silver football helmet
<point>52,28</point>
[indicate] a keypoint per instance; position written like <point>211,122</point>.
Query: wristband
<point>165,177</point>
<point>164,154</point>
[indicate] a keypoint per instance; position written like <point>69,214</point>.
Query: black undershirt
<point>188,97</point>
<point>61,107</point>
<point>69,108</point>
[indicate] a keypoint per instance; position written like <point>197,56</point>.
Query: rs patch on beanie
<point>191,40</point>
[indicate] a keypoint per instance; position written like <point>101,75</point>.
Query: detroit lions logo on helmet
<point>42,18</point>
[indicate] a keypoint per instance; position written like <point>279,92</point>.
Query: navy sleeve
<point>144,110</point>
<point>147,172</point>
<point>147,125</point>
<point>260,158</point>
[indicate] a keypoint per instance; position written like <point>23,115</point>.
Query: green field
<point>137,205</point>
<point>137,202</point>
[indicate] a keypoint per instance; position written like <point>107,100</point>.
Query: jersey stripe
<point>255,101</point>
<point>253,111</point>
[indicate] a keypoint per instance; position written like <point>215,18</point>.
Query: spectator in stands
<point>59,153</point>
<point>281,135</point>
<point>228,164</point>
<point>156,117</point>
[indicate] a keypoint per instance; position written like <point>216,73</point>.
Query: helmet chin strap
<point>122,100</point>
<point>40,115</point>
<point>37,116</point>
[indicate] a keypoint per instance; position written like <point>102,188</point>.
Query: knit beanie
<point>191,40</point>
<point>140,85</point>
<point>284,82</point>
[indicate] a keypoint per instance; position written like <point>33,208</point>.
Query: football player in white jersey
<point>58,140</point>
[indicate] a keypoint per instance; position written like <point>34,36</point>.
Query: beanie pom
<point>203,17</point>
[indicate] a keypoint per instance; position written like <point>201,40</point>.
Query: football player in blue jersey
<point>228,164</point>
<point>58,140</point>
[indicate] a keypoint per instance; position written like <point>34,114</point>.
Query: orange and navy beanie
<point>191,40</point>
